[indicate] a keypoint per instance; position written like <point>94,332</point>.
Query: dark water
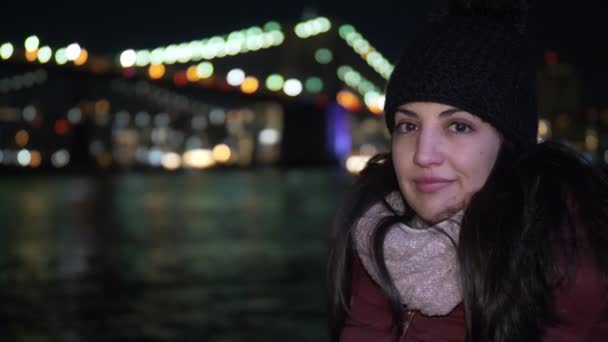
<point>215,256</point>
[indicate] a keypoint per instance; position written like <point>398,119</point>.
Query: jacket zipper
<point>406,324</point>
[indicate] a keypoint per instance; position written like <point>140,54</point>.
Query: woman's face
<point>442,156</point>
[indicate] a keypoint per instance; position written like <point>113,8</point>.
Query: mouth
<point>431,185</point>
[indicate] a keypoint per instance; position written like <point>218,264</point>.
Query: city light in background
<point>147,139</point>
<point>336,64</point>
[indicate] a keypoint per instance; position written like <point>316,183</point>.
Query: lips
<point>431,184</point>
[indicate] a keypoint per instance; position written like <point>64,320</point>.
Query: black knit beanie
<point>477,61</point>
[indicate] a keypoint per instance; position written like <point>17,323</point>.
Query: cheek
<point>400,169</point>
<point>402,160</point>
<point>480,170</point>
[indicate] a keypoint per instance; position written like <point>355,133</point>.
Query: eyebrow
<point>446,112</point>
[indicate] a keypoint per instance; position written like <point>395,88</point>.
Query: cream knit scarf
<point>421,262</point>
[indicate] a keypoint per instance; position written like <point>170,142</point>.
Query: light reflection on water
<point>220,256</point>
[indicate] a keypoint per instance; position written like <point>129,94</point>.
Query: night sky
<point>575,30</point>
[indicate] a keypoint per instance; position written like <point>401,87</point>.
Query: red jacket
<point>582,309</point>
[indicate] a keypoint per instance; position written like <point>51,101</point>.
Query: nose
<point>428,151</point>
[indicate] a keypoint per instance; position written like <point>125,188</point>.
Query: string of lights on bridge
<point>237,42</point>
<point>255,38</point>
<point>362,47</point>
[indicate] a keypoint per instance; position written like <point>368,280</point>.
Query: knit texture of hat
<point>476,63</point>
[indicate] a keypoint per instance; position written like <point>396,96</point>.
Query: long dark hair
<point>536,210</point>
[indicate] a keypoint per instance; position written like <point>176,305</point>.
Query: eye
<point>460,127</point>
<point>405,127</point>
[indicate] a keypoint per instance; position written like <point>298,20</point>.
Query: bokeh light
<point>157,56</point>
<point>292,87</point>
<point>61,127</point>
<point>277,38</point>
<point>156,71</point>
<point>192,74</point>
<point>198,158</point>
<point>323,56</point>
<point>74,115</point>
<point>272,26</point>
<point>314,85</point>
<point>269,136</point>
<point>31,43</point>
<point>35,158</point>
<point>250,85</point>
<point>374,101</point>
<point>235,77</point>
<point>142,58</point>
<point>544,129</point>
<point>356,163</point>
<point>349,100</point>
<point>61,158</point>
<point>6,50</point>
<point>82,57</point>
<point>22,137</point>
<point>24,157</point>
<point>29,113</point>
<point>204,69</point>
<point>171,161</point>
<point>72,51</point>
<point>275,82</point>
<point>221,153</point>
<point>61,56</point>
<point>591,139</point>
<point>44,54</point>
<point>128,58</point>
<point>170,54</point>
<point>31,56</point>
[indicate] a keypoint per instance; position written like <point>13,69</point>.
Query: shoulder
<point>581,305</point>
<point>370,317</point>
<point>581,298</point>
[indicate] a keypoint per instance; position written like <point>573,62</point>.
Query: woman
<point>469,229</point>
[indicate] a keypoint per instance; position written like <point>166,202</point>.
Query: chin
<point>436,215</point>
<point>434,218</point>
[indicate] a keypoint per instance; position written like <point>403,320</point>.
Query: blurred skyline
<point>575,33</point>
<point>276,85</point>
